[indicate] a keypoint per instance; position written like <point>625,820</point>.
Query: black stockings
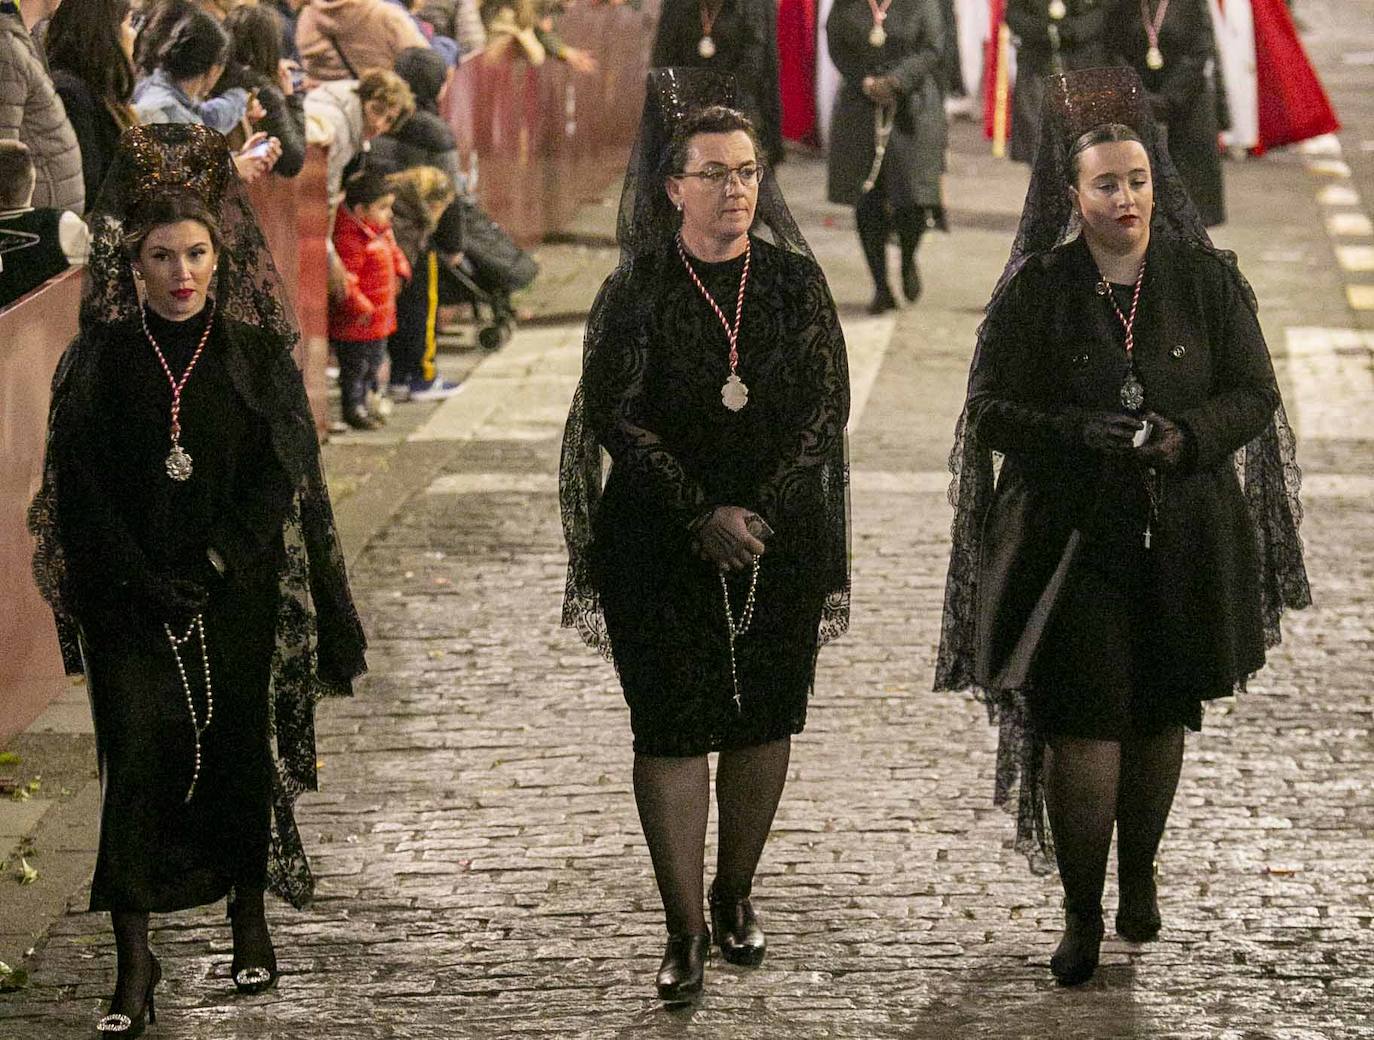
<point>749,786</point>
<point>135,960</point>
<point>876,222</point>
<point>871,217</point>
<point>1093,785</point>
<point>673,797</point>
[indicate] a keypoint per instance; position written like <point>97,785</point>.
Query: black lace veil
<point>320,642</point>
<point>646,223</point>
<point>1075,103</point>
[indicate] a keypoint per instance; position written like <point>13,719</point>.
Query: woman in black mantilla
<point>714,563</point>
<point>1118,574</point>
<point>186,545</point>
<point>888,132</point>
<point>734,37</point>
<point>1171,46</point>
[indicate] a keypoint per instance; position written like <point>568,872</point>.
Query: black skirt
<point>1096,673</point>
<point>666,620</point>
<point>157,851</point>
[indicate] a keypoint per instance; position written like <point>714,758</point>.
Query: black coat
<point>1080,46</point>
<point>1056,352</point>
<point>913,53</point>
<point>97,131</point>
<point>1182,93</point>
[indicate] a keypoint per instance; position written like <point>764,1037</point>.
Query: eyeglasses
<point>716,176</point>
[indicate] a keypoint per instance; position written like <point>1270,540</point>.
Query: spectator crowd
<point>366,78</point>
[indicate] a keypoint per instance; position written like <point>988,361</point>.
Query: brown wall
<point>548,140</point>
<point>33,333</point>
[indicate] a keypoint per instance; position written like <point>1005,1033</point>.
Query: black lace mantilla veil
<point>1075,103</point>
<point>320,641</point>
<point>647,222</point>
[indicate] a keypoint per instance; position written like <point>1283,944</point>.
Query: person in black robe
<point>1118,574</point>
<point>733,37</point>
<point>186,545</point>
<point>1051,36</point>
<point>888,131</point>
<point>1171,46</point>
<point>714,562</point>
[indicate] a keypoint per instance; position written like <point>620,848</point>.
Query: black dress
<point>124,520</point>
<point>745,35</point>
<point>1139,637</point>
<point>653,395</point>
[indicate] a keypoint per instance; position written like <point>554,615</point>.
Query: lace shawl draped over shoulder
<point>647,223</point>
<point>319,641</point>
<point>1075,103</point>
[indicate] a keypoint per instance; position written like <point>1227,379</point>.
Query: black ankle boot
<point>1137,911</point>
<point>254,967</point>
<point>1075,960</point>
<point>883,301</point>
<point>911,279</point>
<point>737,931</point>
<point>683,969</point>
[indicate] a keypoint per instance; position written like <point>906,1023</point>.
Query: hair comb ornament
<point>1088,98</point>
<point>168,157</point>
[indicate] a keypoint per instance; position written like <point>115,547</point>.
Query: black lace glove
<point>1109,432</point>
<point>1167,446</point>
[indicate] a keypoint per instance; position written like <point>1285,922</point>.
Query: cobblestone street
<point>480,865</point>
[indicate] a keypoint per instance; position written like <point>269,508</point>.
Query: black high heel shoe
<point>736,927</point>
<point>255,969</point>
<point>1075,960</point>
<point>683,970</point>
<point>119,1023</point>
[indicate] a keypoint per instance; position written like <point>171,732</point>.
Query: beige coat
<point>369,32</point>
<point>31,111</point>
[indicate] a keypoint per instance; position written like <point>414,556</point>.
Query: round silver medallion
<point>877,36</point>
<point>1058,10</point>
<point>707,47</point>
<point>1154,58</point>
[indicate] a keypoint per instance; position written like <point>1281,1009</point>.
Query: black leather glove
<point>1109,432</point>
<point>1167,445</point>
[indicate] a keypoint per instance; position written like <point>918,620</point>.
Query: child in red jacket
<point>360,325</point>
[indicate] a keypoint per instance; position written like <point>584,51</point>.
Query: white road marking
<point>1333,383</point>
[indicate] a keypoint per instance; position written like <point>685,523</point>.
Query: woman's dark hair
<point>715,119</point>
<point>159,19</point>
<point>1103,134</point>
<point>195,45</point>
<point>365,188</point>
<point>167,207</point>
<point>84,39</point>
<point>255,39</point>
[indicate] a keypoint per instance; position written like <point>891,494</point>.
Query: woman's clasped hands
<point>1115,433</point>
<point>726,540</point>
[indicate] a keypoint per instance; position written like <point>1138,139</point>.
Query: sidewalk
<point>481,869</point>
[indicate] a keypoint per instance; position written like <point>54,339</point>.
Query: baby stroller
<point>492,267</point>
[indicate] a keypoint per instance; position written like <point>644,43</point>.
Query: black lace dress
<point>652,387</point>
<point>123,518</point>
